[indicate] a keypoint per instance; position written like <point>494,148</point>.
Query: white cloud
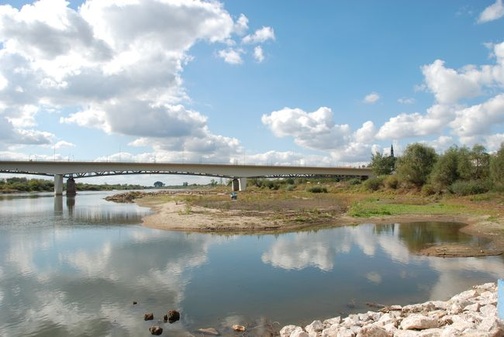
<point>314,130</point>
<point>258,54</point>
<point>63,144</point>
<point>479,119</point>
<point>3,82</point>
<point>112,65</point>
<point>318,131</point>
<point>231,56</point>
<point>450,86</point>
<point>415,124</point>
<point>371,98</point>
<point>241,25</point>
<point>492,12</point>
<point>260,36</point>
<point>406,100</point>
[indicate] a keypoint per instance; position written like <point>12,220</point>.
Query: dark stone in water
<point>156,330</point>
<point>172,316</point>
<point>148,316</point>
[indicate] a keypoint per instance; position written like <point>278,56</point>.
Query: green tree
<point>480,160</point>
<point>158,184</point>
<point>415,165</point>
<point>382,165</point>
<point>497,167</point>
<point>453,165</point>
<point>445,170</point>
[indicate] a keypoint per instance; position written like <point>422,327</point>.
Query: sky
<point>322,83</point>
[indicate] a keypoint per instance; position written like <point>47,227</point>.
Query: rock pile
<point>470,313</point>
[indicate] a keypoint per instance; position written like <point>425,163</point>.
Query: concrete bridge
<point>239,173</point>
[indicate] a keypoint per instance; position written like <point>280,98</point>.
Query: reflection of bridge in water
<point>238,173</point>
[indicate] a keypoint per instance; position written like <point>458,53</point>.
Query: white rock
<point>488,310</point>
<point>314,328</point>
<point>287,330</point>
<point>472,307</point>
<point>386,319</point>
<point>373,331</point>
<point>460,324</point>
<point>331,331</point>
<point>419,322</point>
<point>299,332</point>
<point>492,324</point>
<point>332,321</point>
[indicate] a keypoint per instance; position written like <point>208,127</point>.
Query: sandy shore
<point>179,216</point>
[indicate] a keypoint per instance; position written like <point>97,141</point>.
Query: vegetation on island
<point>23,184</point>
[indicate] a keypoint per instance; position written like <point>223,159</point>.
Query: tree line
<point>459,170</point>
<point>22,184</point>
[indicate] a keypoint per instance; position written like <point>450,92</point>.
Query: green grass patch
<point>376,207</point>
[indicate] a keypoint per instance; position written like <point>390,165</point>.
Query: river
<point>75,267</point>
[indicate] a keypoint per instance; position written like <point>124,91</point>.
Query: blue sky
<point>254,82</point>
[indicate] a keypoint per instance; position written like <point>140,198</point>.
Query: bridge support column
<point>243,184</point>
<point>58,184</point>
<point>71,189</point>
<point>239,184</point>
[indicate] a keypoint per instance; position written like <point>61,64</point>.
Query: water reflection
<point>70,273</point>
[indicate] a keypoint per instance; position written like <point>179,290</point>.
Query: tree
<point>481,162</point>
<point>382,165</point>
<point>497,167</point>
<point>158,184</point>
<point>445,171</point>
<point>454,165</point>
<point>415,165</point>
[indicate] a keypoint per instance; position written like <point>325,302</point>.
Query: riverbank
<point>265,211</point>
<point>470,313</point>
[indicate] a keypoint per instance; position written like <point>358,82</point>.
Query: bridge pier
<point>58,184</point>
<point>71,189</point>
<point>239,184</point>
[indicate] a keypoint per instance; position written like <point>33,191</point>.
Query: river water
<point>75,267</point>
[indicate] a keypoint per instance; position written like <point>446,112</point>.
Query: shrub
<point>391,182</point>
<point>354,181</point>
<point>374,184</point>
<point>428,189</point>
<point>317,189</point>
<point>469,187</point>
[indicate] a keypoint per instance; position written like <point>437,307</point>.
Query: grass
<point>300,206</point>
<point>369,208</point>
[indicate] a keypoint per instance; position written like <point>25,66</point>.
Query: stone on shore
<point>470,313</point>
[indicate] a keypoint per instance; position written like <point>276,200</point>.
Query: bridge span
<point>239,173</point>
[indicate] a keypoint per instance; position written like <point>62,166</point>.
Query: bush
<point>469,187</point>
<point>317,189</point>
<point>354,181</point>
<point>374,184</point>
<point>428,189</point>
<point>391,182</point>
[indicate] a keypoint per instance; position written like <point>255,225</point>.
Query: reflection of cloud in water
<point>319,249</point>
<point>297,254</point>
<point>451,271</point>
<point>69,281</point>
<point>374,277</point>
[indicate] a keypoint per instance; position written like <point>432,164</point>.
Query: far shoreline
<point>179,215</point>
